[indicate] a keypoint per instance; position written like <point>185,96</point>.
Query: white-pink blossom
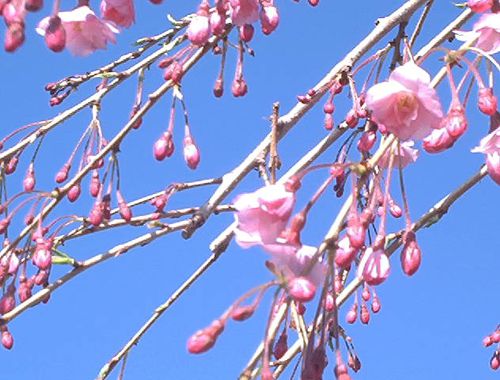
<point>374,267</point>
<point>121,12</point>
<point>490,145</point>
<point>262,215</point>
<point>405,105</point>
<point>244,11</point>
<point>404,154</point>
<point>487,32</point>
<point>85,32</point>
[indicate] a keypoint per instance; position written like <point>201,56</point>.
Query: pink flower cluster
<point>262,218</point>
<point>81,31</point>
<point>242,13</point>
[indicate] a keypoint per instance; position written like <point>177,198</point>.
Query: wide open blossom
<point>404,154</point>
<point>244,11</point>
<point>487,32</point>
<point>85,32</point>
<point>374,267</point>
<point>490,145</point>
<point>405,104</point>
<point>293,261</point>
<point>262,215</point>
<point>121,12</point>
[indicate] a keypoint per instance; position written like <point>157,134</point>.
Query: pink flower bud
<point>367,141</point>
<point>42,257</point>
<point>438,141</point>
<point>14,37</point>
<point>164,146</point>
<point>96,215</point>
<point>269,19</point>
<point>174,72</point>
<point>313,2</point>
<point>395,210</point>
<point>125,211</point>
<point>366,294</point>
<point>25,290</point>
<point>329,123</point>
<point>29,181</point>
<point>41,278</point>
<point>352,314</point>
<point>160,202</point>
<point>239,87</point>
<point>12,165</point>
<point>365,314</point>
<point>218,88</point>
<point>8,301</point>
<point>411,256</point>
<point>74,192</point>
<point>199,29</point>
<point>329,304</point>
<point>95,184</point>
<point>376,304</point>
<point>33,5</point>
<point>217,23</point>
<point>246,32</point>
<point>301,289</point>
<point>281,346</point>
<point>455,122</point>
<point>345,253</point>
<point>496,336</point>
<point>12,15</point>
<point>200,342</point>
<point>55,35</point>
<point>495,361</point>
<point>242,313</point>
<point>374,267</point>
<point>356,231</point>
<point>487,101</point>
<point>7,339</point>
<point>351,118</point>
<point>480,6</point>
<point>216,328</point>
<point>4,224</point>
<point>62,174</point>
<point>191,153</point>
<point>487,341</point>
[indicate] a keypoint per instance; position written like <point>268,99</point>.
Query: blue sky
<point>430,326</point>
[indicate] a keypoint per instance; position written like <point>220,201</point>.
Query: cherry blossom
<point>406,104</point>
<point>487,32</point>
<point>374,267</point>
<point>121,12</point>
<point>404,154</point>
<point>244,11</point>
<point>490,145</point>
<point>292,261</point>
<point>262,215</point>
<point>85,32</point>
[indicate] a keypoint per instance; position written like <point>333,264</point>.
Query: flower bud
<point>365,314</point>
<point>7,339</point>
<point>33,5</point>
<point>55,35</point>
<point>269,19</point>
<point>74,192</point>
<point>199,29</point>
<point>455,122</point>
<point>352,314</point>
<point>281,346</point>
<point>29,181</point>
<point>246,32</point>
<point>438,141</point>
<point>200,342</point>
<point>42,257</point>
<point>242,313</point>
<point>367,141</point>
<point>191,153</point>
<point>487,101</point>
<point>411,256</point>
<point>125,211</point>
<point>301,289</point>
<point>62,174</point>
<point>96,215</point>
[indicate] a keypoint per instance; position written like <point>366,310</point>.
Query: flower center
<point>406,103</point>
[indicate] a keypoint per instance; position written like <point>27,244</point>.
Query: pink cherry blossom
<point>199,29</point>
<point>244,11</point>
<point>487,32</point>
<point>480,6</point>
<point>406,104</point>
<point>291,261</point>
<point>490,145</point>
<point>85,32</point>
<point>262,215</point>
<point>404,154</point>
<point>374,267</point>
<point>121,12</point>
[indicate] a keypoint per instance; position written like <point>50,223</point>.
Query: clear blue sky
<point>430,326</point>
